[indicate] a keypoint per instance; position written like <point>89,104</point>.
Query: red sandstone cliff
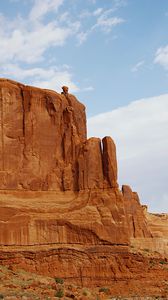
<point>43,143</point>
<point>61,210</point>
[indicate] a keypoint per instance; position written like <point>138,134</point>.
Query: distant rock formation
<point>61,210</point>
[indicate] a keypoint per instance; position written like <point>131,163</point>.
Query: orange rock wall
<point>44,148</point>
<point>61,210</point>
<point>43,143</point>
<point>46,218</point>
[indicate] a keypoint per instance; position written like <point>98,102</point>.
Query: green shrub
<point>146,250</point>
<point>85,292</point>
<point>104,290</point>
<point>59,294</point>
<point>163,262</point>
<point>59,280</point>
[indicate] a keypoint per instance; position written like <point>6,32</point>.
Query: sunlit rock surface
<point>61,210</point>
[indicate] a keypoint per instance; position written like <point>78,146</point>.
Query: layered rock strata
<point>61,209</point>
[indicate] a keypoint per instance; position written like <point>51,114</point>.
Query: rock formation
<point>43,143</point>
<point>61,210</point>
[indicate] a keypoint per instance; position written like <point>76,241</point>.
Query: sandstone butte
<point>61,210</point>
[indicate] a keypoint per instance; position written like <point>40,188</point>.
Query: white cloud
<point>161,56</point>
<point>140,132</point>
<point>41,8</point>
<point>85,14</point>
<point>82,36</point>
<point>88,89</point>
<point>107,23</point>
<point>137,66</point>
<point>30,46</point>
<point>59,79</point>
<point>119,3</point>
<point>103,21</point>
<point>98,11</point>
<point>28,39</point>
<point>49,78</point>
<point>48,24</point>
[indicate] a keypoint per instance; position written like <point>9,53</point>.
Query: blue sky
<point>110,53</point>
<point>106,48</point>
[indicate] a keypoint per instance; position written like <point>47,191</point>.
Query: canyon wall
<point>61,208</point>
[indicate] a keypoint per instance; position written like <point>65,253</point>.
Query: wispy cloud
<point>82,36</point>
<point>103,20</point>
<point>27,39</point>
<point>98,11</point>
<point>106,23</point>
<point>41,8</point>
<point>136,67</point>
<point>49,78</point>
<point>88,89</point>
<point>30,46</point>
<point>161,56</point>
<point>140,132</point>
<point>119,3</point>
<point>57,80</point>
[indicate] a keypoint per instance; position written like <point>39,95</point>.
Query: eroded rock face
<point>138,225</point>
<point>39,133</point>
<point>43,143</point>
<point>110,162</point>
<point>59,190</point>
<point>44,148</point>
<point>90,165</point>
<point>86,218</point>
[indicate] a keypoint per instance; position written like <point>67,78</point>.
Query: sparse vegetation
<point>59,280</point>
<point>152,263</point>
<point>146,250</point>
<point>85,292</point>
<point>163,262</point>
<point>59,293</point>
<point>19,284</point>
<point>104,290</point>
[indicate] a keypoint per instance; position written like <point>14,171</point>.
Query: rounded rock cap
<point>65,89</point>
